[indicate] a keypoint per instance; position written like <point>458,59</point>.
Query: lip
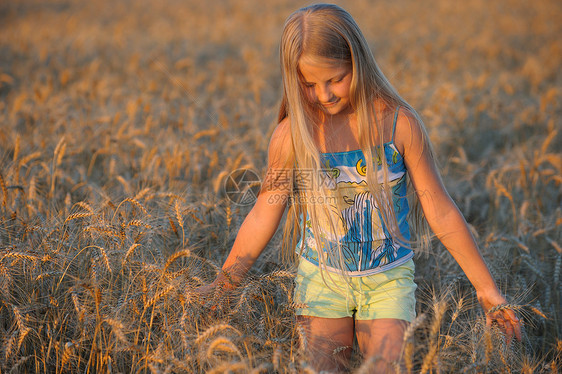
<point>330,104</point>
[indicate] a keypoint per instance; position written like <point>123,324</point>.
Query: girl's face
<point>326,84</point>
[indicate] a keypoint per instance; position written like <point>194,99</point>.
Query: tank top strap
<point>394,123</point>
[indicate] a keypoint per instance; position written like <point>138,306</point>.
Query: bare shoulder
<point>280,151</point>
<point>409,132</point>
<point>282,132</point>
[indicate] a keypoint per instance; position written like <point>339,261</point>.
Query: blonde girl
<point>340,159</point>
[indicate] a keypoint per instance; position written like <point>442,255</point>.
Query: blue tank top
<point>366,243</point>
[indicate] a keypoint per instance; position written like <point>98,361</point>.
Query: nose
<point>323,93</point>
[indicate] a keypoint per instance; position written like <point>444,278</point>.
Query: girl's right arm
<point>264,218</point>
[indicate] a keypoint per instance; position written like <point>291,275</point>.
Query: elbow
<point>451,225</point>
<point>443,218</point>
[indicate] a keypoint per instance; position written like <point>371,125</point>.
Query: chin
<point>336,109</point>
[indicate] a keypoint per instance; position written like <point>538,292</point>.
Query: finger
<point>509,314</point>
<point>488,321</point>
<point>509,330</point>
<point>492,319</point>
<point>509,327</point>
<point>518,331</point>
<point>515,323</point>
<point>499,321</point>
<point>514,329</point>
<point>502,325</point>
<point>495,317</point>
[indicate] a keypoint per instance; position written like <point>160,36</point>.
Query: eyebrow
<point>335,77</point>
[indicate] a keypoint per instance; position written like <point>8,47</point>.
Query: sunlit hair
<point>328,34</point>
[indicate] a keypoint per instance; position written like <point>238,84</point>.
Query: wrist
<point>226,279</point>
<point>490,298</point>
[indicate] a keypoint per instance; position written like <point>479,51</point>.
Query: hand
<point>499,311</point>
<point>215,295</point>
<point>204,292</point>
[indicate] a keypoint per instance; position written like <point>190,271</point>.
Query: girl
<point>340,158</point>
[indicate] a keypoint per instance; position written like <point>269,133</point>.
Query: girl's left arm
<point>447,222</point>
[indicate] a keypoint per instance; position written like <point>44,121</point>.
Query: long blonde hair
<point>328,32</point>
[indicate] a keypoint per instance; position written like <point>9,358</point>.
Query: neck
<point>337,133</point>
<point>328,120</point>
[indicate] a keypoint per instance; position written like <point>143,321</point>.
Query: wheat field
<point>119,122</point>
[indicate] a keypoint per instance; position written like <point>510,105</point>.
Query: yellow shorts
<point>389,294</point>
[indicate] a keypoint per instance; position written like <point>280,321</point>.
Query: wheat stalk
<point>213,330</point>
<point>130,252</point>
<point>180,221</point>
<point>501,307</point>
<point>230,367</point>
<point>21,361</point>
<point>16,149</point>
<point>4,191</point>
<point>80,311</point>
<point>266,367</point>
<point>77,216</point>
<point>18,255</point>
<point>159,295</point>
<point>85,205</point>
<point>222,344</point>
<point>117,328</point>
<point>175,256</point>
<point>8,346</point>
<point>408,341</point>
<point>137,223</point>
<point>103,256</point>
<point>142,193</point>
<point>431,359</point>
<point>134,203</point>
<point>57,159</point>
<point>66,354</point>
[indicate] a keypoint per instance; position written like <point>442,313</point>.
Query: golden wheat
<point>114,148</point>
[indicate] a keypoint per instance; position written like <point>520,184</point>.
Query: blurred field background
<point>119,121</point>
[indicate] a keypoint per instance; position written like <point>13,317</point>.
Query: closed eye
<point>339,79</point>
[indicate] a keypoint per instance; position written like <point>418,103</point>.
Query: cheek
<point>343,91</point>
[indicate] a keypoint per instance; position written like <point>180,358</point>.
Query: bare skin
<point>329,341</point>
<point>336,131</point>
<point>447,222</point>
<point>382,339</point>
